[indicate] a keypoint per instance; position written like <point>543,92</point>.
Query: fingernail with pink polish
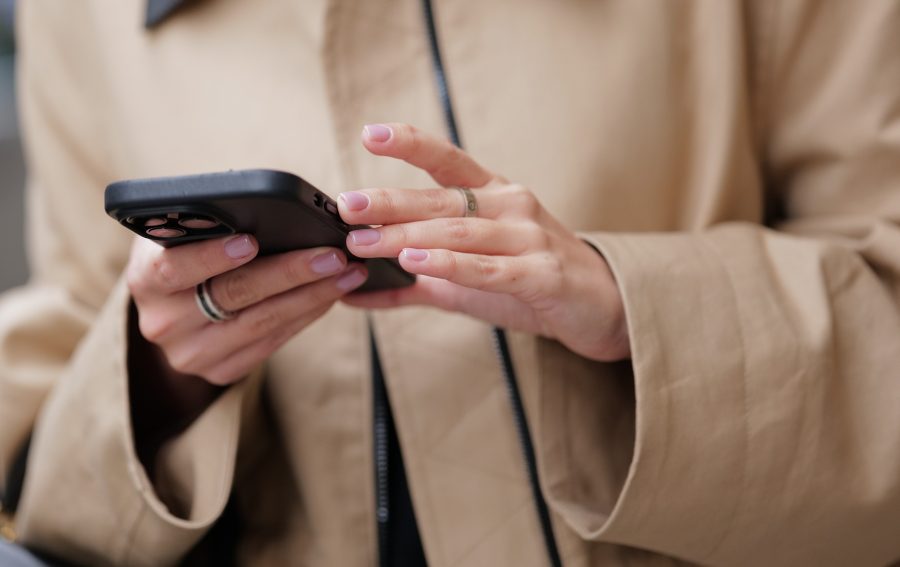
<point>365,237</point>
<point>377,132</point>
<point>352,279</point>
<point>415,254</point>
<point>239,247</point>
<point>354,200</point>
<point>327,263</point>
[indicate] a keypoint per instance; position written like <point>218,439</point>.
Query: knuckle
<point>435,203</point>
<point>265,321</point>
<point>553,267</point>
<point>221,375</point>
<point>321,294</point>
<point>136,281</point>
<point>459,229</point>
<point>233,292</point>
<point>389,203</point>
<point>167,276</point>
<point>551,282</point>
<point>487,268</point>
<point>399,233</point>
<point>294,271</point>
<point>385,200</point>
<point>450,263</point>
<point>409,139</point>
<point>413,137</point>
<point>183,358</point>
<point>154,328</point>
<point>524,201</point>
<point>537,237</point>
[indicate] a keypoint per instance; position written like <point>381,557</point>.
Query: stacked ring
<point>470,206</point>
<point>213,312</point>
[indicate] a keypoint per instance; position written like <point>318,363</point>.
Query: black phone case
<point>280,209</point>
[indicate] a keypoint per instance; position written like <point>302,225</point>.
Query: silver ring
<point>470,206</point>
<point>208,307</point>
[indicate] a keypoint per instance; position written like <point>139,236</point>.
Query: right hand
<point>275,296</point>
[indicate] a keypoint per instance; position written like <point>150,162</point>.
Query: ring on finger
<point>210,309</point>
<point>470,204</point>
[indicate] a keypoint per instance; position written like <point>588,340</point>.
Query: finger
<point>215,341</point>
<point>391,206</point>
<point>272,275</point>
<point>458,234</point>
<point>154,270</point>
<point>426,291</point>
<point>527,277</point>
<point>445,163</point>
<point>496,308</point>
<point>238,364</point>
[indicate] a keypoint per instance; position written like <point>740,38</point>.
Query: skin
<point>513,265</point>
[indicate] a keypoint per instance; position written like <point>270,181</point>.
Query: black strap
<point>15,479</point>
<point>512,386</point>
<point>398,533</point>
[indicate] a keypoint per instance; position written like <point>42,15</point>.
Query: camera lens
<point>198,223</point>
<point>166,232</point>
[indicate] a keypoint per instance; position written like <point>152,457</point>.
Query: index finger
<point>157,270</point>
<point>445,163</point>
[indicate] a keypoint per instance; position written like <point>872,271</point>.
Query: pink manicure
<point>415,254</point>
<point>354,200</point>
<point>327,263</point>
<point>239,247</point>
<point>352,279</point>
<point>365,237</point>
<point>377,132</point>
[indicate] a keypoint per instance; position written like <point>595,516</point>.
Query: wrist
<point>616,342</point>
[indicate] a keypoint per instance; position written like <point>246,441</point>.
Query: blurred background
<point>13,270</point>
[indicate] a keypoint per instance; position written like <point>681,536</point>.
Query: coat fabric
<point>736,163</point>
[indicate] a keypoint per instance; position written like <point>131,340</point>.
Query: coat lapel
<point>159,10</point>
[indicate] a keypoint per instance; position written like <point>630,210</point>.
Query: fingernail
<point>239,247</point>
<point>365,237</point>
<point>354,200</point>
<point>377,132</point>
<point>415,254</point>
<point>327,263</point>
<point>352,279</point>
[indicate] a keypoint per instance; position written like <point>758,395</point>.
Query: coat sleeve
<point>63,336</point>
<point>765,423</point>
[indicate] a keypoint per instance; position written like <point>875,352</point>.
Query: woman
<point>697,264</point>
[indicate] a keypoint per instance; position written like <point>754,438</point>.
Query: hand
<point>513,265</point>
<point>275,297</point>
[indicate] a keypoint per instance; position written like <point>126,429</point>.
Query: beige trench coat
<point>738,164</point>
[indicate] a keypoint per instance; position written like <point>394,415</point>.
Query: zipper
<point>380,447</point>
<point>501,346</point>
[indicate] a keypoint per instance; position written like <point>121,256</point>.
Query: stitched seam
<point>125,553</point>
<point>738,505</point>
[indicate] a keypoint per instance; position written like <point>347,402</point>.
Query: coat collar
<point>159,10</point>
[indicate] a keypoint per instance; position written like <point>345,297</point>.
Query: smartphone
<point>280,209</point>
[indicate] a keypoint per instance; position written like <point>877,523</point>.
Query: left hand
<point>513,265</point>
